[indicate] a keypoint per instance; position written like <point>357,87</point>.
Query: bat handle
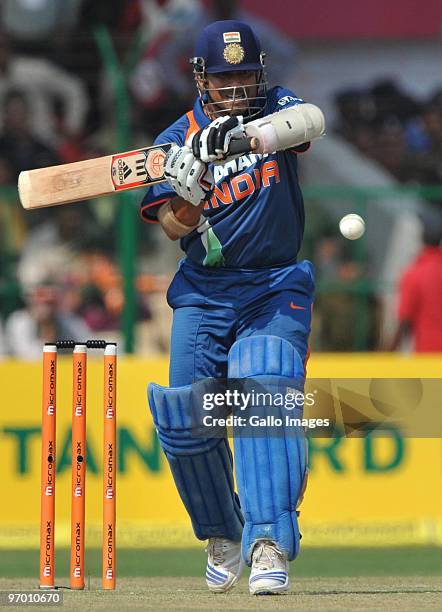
<point>243,145</point>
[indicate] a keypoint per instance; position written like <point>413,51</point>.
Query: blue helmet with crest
<point>230,46</point>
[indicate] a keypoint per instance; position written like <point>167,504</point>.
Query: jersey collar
<point>200,116</point>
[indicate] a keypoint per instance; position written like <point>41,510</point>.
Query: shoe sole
<point>277,590</point>
<point>223,588</point>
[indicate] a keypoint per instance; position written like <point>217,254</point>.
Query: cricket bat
<point>92,178</point>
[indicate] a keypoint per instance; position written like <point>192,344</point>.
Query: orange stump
<point>78,467</point>
<point>48,464</point>
<point>78,464</point>
<point>109,468</point>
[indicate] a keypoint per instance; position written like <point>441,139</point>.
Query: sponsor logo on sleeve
<point>287,99</point>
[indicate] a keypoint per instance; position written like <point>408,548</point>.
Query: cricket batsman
<point>241,301</point>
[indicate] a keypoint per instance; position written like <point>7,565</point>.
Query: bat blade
<point>92,178</point>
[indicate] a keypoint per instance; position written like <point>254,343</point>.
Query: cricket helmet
<point>230,46</point>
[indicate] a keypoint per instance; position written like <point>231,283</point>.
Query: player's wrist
<point>173,225</point>
<point>186,212</point>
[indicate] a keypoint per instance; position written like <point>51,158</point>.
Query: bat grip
<point>243,145</point>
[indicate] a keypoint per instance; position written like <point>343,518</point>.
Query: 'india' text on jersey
<point>255,216</point>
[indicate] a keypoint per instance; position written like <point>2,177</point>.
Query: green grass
<point>402,594</point>
<point>325,562</point>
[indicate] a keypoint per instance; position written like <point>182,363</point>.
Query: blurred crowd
<point>59,273</point>
<point>59,276</point>
<point>402,133</point>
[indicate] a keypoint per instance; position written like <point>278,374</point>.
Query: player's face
<point>229,91</point>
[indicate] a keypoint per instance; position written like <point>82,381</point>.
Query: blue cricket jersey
<point>255,217</point>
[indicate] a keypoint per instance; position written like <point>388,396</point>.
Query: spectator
<point>12,239</point>
<point>7,178</point>
<point>42,84</point>
<point>42,320</point>
<point>429,161</point>
<point>401,134</point>
<point>95,311</point>
<point>38,20</point>
<point>339,302</point>
<point>280,49</point>
<point>79,53</point>
<point>18,143</point>
<point>390,150</point>
<point>420,293</point>
<point>390,101</point>
<point>102,292</point>
<point>161,83</point>
<point>53,246</point>
<point>12,223</point>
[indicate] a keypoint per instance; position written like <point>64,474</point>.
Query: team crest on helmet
<point>234,53</point>
<point>231,37</point>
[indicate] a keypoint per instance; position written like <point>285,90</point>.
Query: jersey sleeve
<point>282,98</point>
<point>157,195</point>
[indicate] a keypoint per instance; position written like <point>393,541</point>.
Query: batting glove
<point>190,177</point>
<point>212,142</point>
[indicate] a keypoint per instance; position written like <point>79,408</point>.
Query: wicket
<point>78,465</point>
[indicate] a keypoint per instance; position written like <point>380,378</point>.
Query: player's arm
<point>186,217</point>
<point>289,128</point>
<point>408,306</point>
<point>193,183</point>
<point>402,331</point>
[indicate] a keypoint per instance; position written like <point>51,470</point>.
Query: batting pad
<point>270,464</point>
<point>201,466</point>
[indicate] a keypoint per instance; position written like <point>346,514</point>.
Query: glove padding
<point>188,176</point>
<point>212,142</point>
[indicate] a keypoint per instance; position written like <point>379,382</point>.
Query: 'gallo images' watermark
<point>321,407</point>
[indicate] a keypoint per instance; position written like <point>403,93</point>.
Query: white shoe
<point>270,569</point>
<point>224,564</point>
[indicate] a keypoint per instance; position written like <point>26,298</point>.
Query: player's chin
<point>228,113</point>
<point>238,109</point>
<point>238,112</point>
